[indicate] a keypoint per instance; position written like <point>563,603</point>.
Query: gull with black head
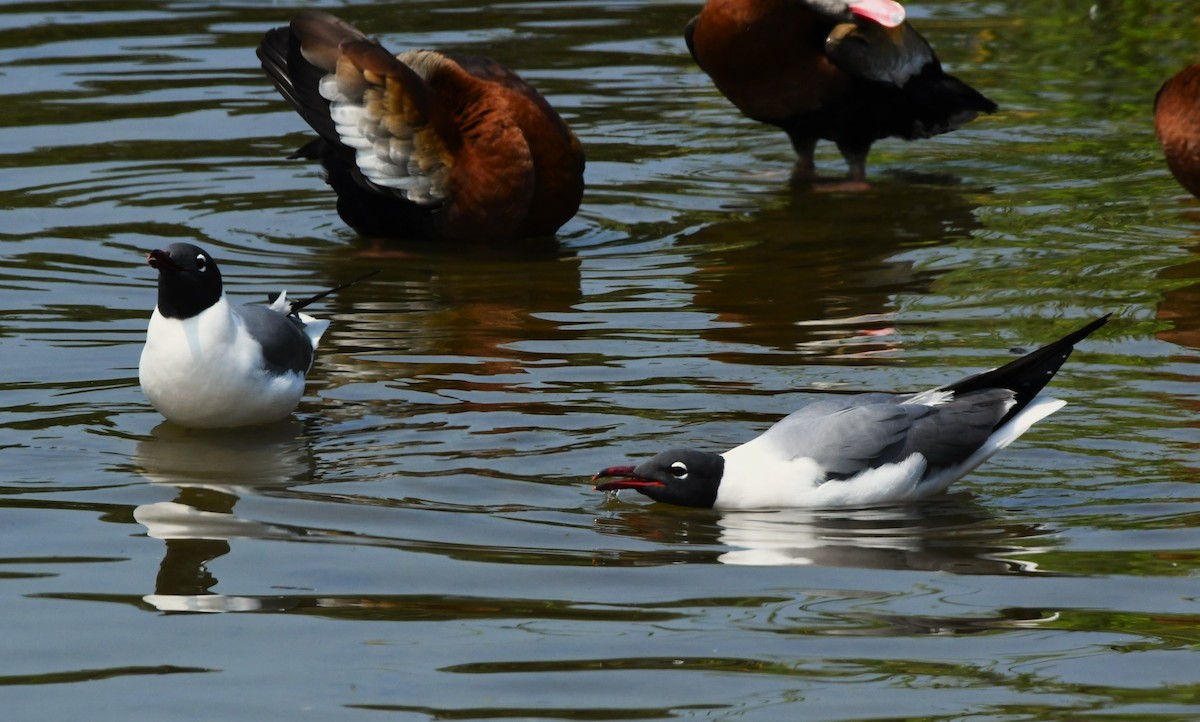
<point>863,449</point>
<point>210,364</point>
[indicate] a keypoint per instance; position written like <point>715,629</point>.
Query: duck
<point>861,450</point>
<point>849,71</point>
<point>209,364</point>
<point>424,145</point>
<point>1177,125</point>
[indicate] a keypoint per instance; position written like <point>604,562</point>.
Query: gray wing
<point>850,435</point>
<point>285,346</point>
<point>958,427</point>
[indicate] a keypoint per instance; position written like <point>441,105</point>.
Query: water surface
<point>421,541</point>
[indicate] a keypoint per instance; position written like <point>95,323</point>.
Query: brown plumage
<point>425,145</point>
<point>1177,124</point>
<point>828,69</point>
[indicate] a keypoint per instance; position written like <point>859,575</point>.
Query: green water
<point>421,541</point>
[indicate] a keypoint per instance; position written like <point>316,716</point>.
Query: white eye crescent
<point>679,470</point>
<point>201,262</point>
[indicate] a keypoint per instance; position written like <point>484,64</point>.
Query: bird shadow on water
<point>952,533</point>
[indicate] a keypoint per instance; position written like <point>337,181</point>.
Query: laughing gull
<point>209,364</point>
<point>865,449</point>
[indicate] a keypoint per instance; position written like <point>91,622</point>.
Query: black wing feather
<point>1029,374</point>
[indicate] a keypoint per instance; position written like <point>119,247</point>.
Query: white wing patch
<point>932,397</point>
<point>313,328</point>
<point>388,150</point>
<point>937,397</point>
<point>280,304</point>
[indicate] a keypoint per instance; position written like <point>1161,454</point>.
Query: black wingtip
<point>1029,374</point>
<point>297,305</point>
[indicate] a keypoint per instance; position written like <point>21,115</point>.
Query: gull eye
<point>679,470</point>
<point>201,262</point>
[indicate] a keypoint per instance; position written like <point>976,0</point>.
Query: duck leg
<point>805,168</point>
<point>856,160</point>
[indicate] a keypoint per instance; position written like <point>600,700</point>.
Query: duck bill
<point>160,260</point>
<point>623,477</point>
<point>887,13</point>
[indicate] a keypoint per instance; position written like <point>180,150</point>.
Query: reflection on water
<point>227,460</point>
<point>962,540</point>
<point>951,534</point>
<point>444,305</point>
<point>210,471</point>
<point>421,537</point>
<point>912,625</point>
<point>1180,302</point>
<point>825,271</point>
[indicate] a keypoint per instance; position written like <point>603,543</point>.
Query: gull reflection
<point>951,534</point>
<point>275,455</point>
<point>796,536</point>
<point>946,536</point>
<point>211,471</point>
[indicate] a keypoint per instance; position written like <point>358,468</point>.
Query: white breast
<point>756,479</point>
<point>207,372</point>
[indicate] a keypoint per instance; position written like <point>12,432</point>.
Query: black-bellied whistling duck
<point>850,71</point>
<point>425,145</point>
<point>1177,124</point>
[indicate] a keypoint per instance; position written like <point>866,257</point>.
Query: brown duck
<point>425,145</point>
<point>849,71</point>
<point>1177,124</point>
